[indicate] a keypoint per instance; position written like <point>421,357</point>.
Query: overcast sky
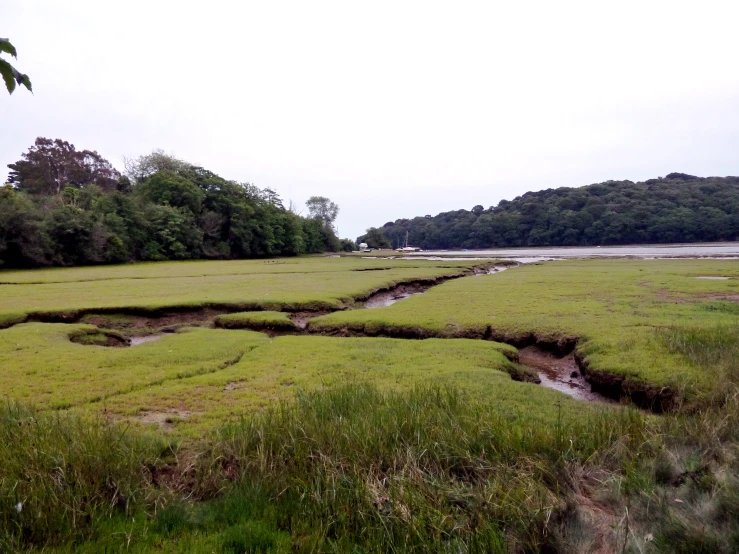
<point>392,109</point>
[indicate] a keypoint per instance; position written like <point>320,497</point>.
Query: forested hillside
<point>62,206</point>
<point>676,208</point>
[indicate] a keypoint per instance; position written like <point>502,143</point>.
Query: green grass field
<point>617,308</point>
<point>307,283</point>
<point>216,438</point>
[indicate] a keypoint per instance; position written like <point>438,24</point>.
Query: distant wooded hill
<point>670,209</point>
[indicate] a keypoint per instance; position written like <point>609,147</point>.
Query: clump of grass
<point>714,348</point>
<point>249,538</point>
<point>10,319</point>
<point>59,474</point>
<point>724,307</point>
<point>98,337</point>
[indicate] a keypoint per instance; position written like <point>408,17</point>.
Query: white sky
<point>392,109</point>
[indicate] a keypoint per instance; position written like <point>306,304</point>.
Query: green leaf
<point>21,78</point>
<point>6,70</point>
<point>5,46</point>
<point>26,82</point>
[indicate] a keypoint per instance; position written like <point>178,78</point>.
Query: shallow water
<point>527,255</point>
<point>136,341</point>
<point>388,298</point>
<point>559,373</point>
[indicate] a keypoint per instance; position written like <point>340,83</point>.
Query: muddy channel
<point>559,373</point>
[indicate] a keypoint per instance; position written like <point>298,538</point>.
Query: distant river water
<point>725,250</point>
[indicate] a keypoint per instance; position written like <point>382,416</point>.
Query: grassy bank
<point>617,308</point>
<point>274,321</point>
<point>308,283</point>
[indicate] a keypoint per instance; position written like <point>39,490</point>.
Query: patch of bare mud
<point>301,319</point>
<point>722,296</point>
<point>482,270</point>
<point>136,341</point>
<point>559,373</point>
<point>163,420</point>
<point>166,320</point>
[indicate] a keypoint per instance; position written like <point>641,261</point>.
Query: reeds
<point>60,474</point>
<point>433,469</point>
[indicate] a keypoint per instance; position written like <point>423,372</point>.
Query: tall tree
<point>51,165</point>
<point>374,238</point>
<point>321,208</point>
<point>138,169</point>
<point>10,74</point>
<point>54,213</point>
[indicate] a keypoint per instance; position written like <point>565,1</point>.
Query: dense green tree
<point>64,207</point>
<point>676,208</point>
<point>51,165</point>
<point>348,245</point>
<point>374,238</point>
<point>23,239</point>
<point>321,208</point>
<point>170,189</point>
<point>138,169</point>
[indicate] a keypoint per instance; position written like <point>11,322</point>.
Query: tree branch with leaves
<point>10,74</point>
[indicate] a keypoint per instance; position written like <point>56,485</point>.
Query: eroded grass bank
<point>292,285</point>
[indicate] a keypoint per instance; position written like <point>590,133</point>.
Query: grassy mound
<point>41,365</point>
<point>275,369</point>
<point>274,321</point>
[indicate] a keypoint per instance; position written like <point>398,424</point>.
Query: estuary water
<point>726,250</point>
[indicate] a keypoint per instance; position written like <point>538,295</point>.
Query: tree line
<point>671,209</point>
<point>64,206</point>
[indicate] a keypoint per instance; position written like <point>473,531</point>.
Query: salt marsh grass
<point>368,444</point>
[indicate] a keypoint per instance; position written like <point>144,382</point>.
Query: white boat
<point>407,248</point>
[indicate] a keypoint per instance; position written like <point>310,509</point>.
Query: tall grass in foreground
<point>715,348</point>
<point>354,469</point>
<point>59,474</point>
<point>432,470</point>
